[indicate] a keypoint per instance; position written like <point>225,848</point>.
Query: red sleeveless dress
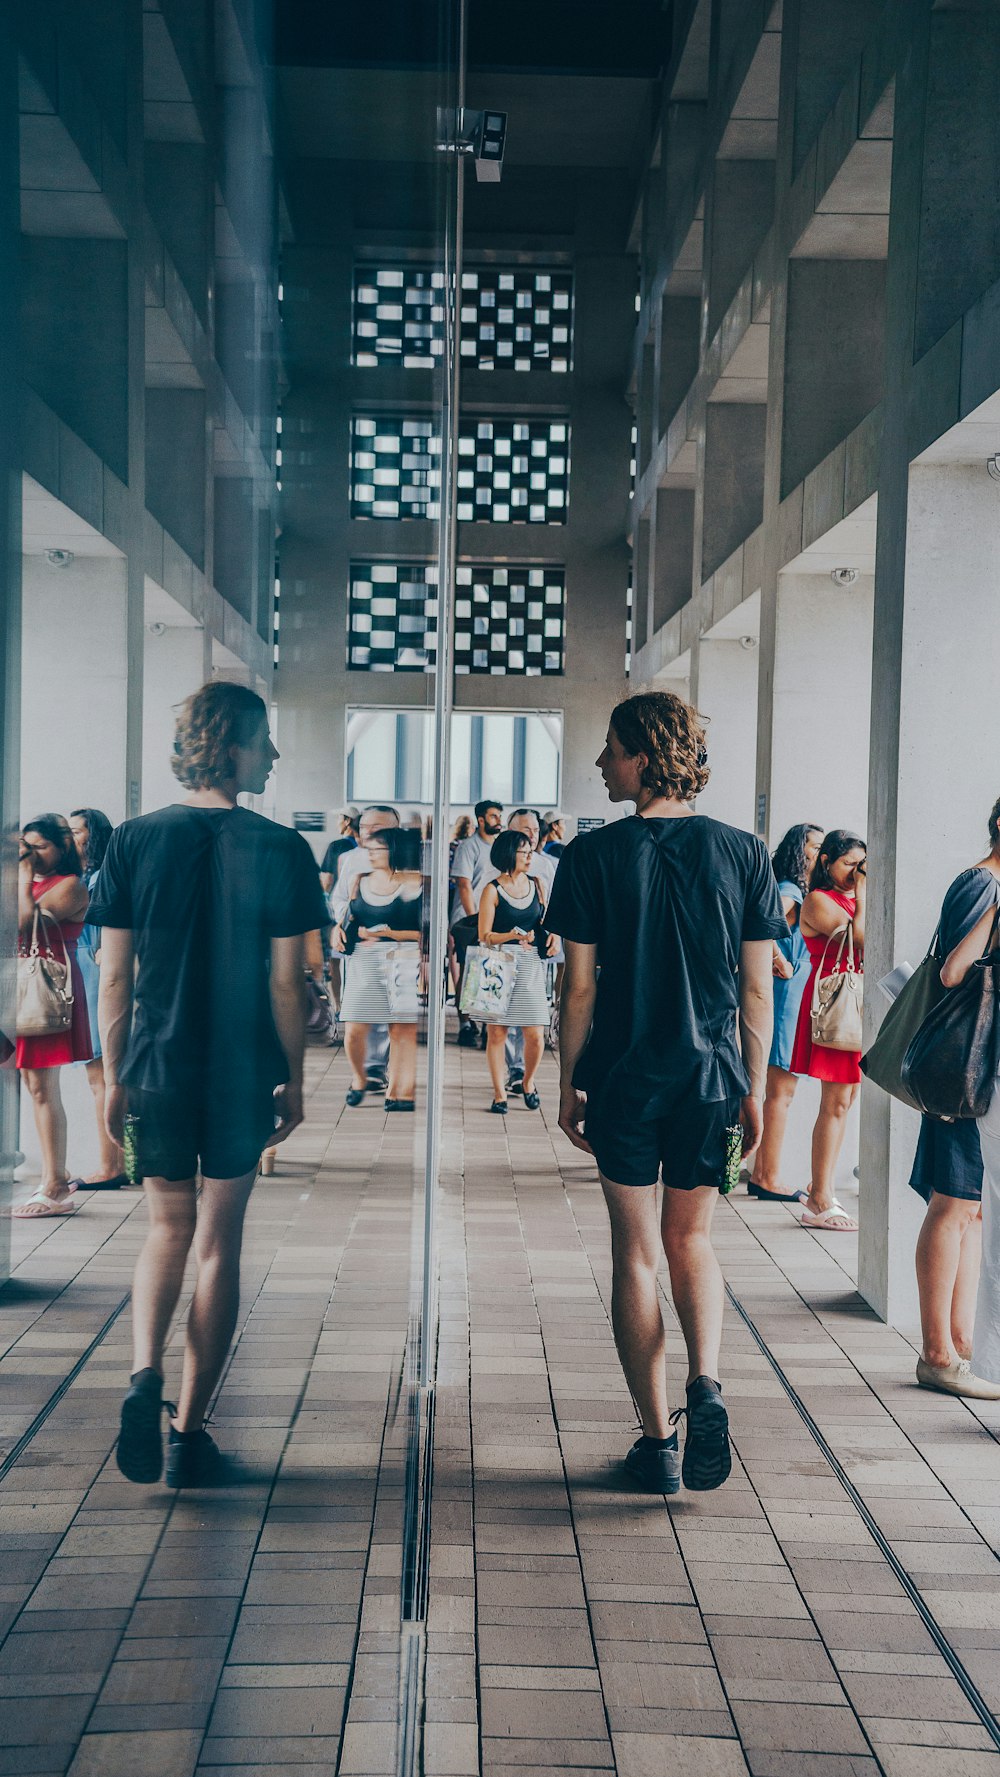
<point>842,1066</point>
<point>63,1046</point>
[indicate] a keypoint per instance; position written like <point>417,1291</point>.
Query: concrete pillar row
<point>946,740</point>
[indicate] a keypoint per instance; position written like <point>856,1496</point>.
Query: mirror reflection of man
<point>471,870</point>
<point>352,865</point>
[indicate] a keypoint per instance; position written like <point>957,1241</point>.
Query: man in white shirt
<point>471,870</point>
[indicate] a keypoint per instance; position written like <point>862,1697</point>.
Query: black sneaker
<point>375,1081</point>
<point>139,1451</point>
<point>197,1461</point>
<point>653,1466</point>
<point>708,1459</point>
<point>468,1036</point>
<point>515,1084</point>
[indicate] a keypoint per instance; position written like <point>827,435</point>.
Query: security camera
<point>59,558</point>
<point>157,629</point>
<point>844,576</point>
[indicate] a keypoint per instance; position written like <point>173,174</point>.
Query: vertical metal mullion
<point>443,706</point>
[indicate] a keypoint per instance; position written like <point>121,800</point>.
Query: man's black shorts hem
<point>688,1144</point>
<point>178,1136</point>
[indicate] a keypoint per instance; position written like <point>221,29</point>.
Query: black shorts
<point>689,1144</point>
<point>179,1135</point>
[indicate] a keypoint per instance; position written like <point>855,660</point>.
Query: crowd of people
<point>687,979</point>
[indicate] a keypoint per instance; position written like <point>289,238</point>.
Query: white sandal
<point>54,1206</point>
<point>834,1220</point>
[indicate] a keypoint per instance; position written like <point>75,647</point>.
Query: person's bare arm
<point>822,918</point>
<point>576,1016</point>
<point>465,895</point>
<point>114,1018</point>
<point>67,900</point>
<point>756,1031</point>
<point>326,881</point>
<point>959,961</point>
<point>288,1005</point>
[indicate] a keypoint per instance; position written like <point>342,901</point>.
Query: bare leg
<point>402,1061</point>
<point>42,1086</point>
<point>828,1139</point>
<point>334,974</point>
<point>211,1322</point>
<point>496,1037</point>
<point>963,1302</point>
<point>534,1049</point>
<point>112,1160</point>
<point>777,1104</point>
<point>159,1271</point>
<point>635,1304</point>
<point>695,1275</point>
<point>355,1047</point>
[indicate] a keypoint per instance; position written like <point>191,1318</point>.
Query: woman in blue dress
<point>792,862</point>
<point>91,830</point>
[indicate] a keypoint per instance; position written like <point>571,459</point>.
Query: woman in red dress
<point>49,875</point>
<point>836,899</point>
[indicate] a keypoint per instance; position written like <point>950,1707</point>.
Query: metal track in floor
<point>948,1654</point>
<point>67,1382</point>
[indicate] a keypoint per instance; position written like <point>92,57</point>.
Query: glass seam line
<point>927,1617</point>
<point>65,1385</point>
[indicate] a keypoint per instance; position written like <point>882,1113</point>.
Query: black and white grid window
<point>392,617</point>
<point>398,316</point>
<point>510,620</point>
<point>513,471</point>
<point>395,467</point>
<point>507,620</point>
<point>515,320</point>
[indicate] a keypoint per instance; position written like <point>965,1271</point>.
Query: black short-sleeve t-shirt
<point>334,852</point>
<point>668,904</point>
<point>204,890</point>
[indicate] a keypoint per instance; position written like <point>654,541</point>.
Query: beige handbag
<point>837,999</point>
<point>44,985</point>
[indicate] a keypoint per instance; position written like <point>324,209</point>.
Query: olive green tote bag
<point>918,997</point>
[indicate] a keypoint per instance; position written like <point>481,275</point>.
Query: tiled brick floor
<point>571,1626</point>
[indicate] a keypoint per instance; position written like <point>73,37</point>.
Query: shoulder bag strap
<point>39,909</point>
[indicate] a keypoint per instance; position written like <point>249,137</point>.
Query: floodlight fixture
<point>483,134</point>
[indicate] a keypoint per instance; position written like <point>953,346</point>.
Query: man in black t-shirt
<point>203,909</point>
<point>668,920</point>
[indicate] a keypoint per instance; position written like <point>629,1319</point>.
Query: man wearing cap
<point>553,833</point>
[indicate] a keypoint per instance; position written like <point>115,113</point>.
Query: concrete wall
<point>319,539</point>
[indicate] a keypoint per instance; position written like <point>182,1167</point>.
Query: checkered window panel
<point>507,620</point>
<point>510,471</point>
<point>510,319</point>
<point>395,467</point>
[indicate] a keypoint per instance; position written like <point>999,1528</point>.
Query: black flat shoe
<point>532,1102</point>
<point>355,1095</point>
<point>499,1107</point>
<point>118,1183</point>
<point>399,1104</point>
<point>763,1196</point>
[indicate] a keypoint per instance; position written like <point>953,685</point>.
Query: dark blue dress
<point>949,1159</point>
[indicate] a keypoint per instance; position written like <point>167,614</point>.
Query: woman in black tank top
<point>511,911</point>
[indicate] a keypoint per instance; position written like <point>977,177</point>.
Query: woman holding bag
<point>511,911</point>
<point>49,882</point>
<point>832,923</point>
<point>383,927</point>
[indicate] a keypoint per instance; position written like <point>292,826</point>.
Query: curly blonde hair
<point>672,736</point>
<point>209,723</point>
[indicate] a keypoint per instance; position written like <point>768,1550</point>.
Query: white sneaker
<point>956,1379</point>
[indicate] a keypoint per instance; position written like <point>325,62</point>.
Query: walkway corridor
<point>570,1626</point>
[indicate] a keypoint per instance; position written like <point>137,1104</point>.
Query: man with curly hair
<point>668,920</point>
<point>203,908</point>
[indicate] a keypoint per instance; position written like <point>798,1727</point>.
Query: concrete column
<point>10,590</point>
<point>820,703</point>
<point>948,641</point>
<point>74,685</point>
<point>727,696</point>
<point>173,667</point>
